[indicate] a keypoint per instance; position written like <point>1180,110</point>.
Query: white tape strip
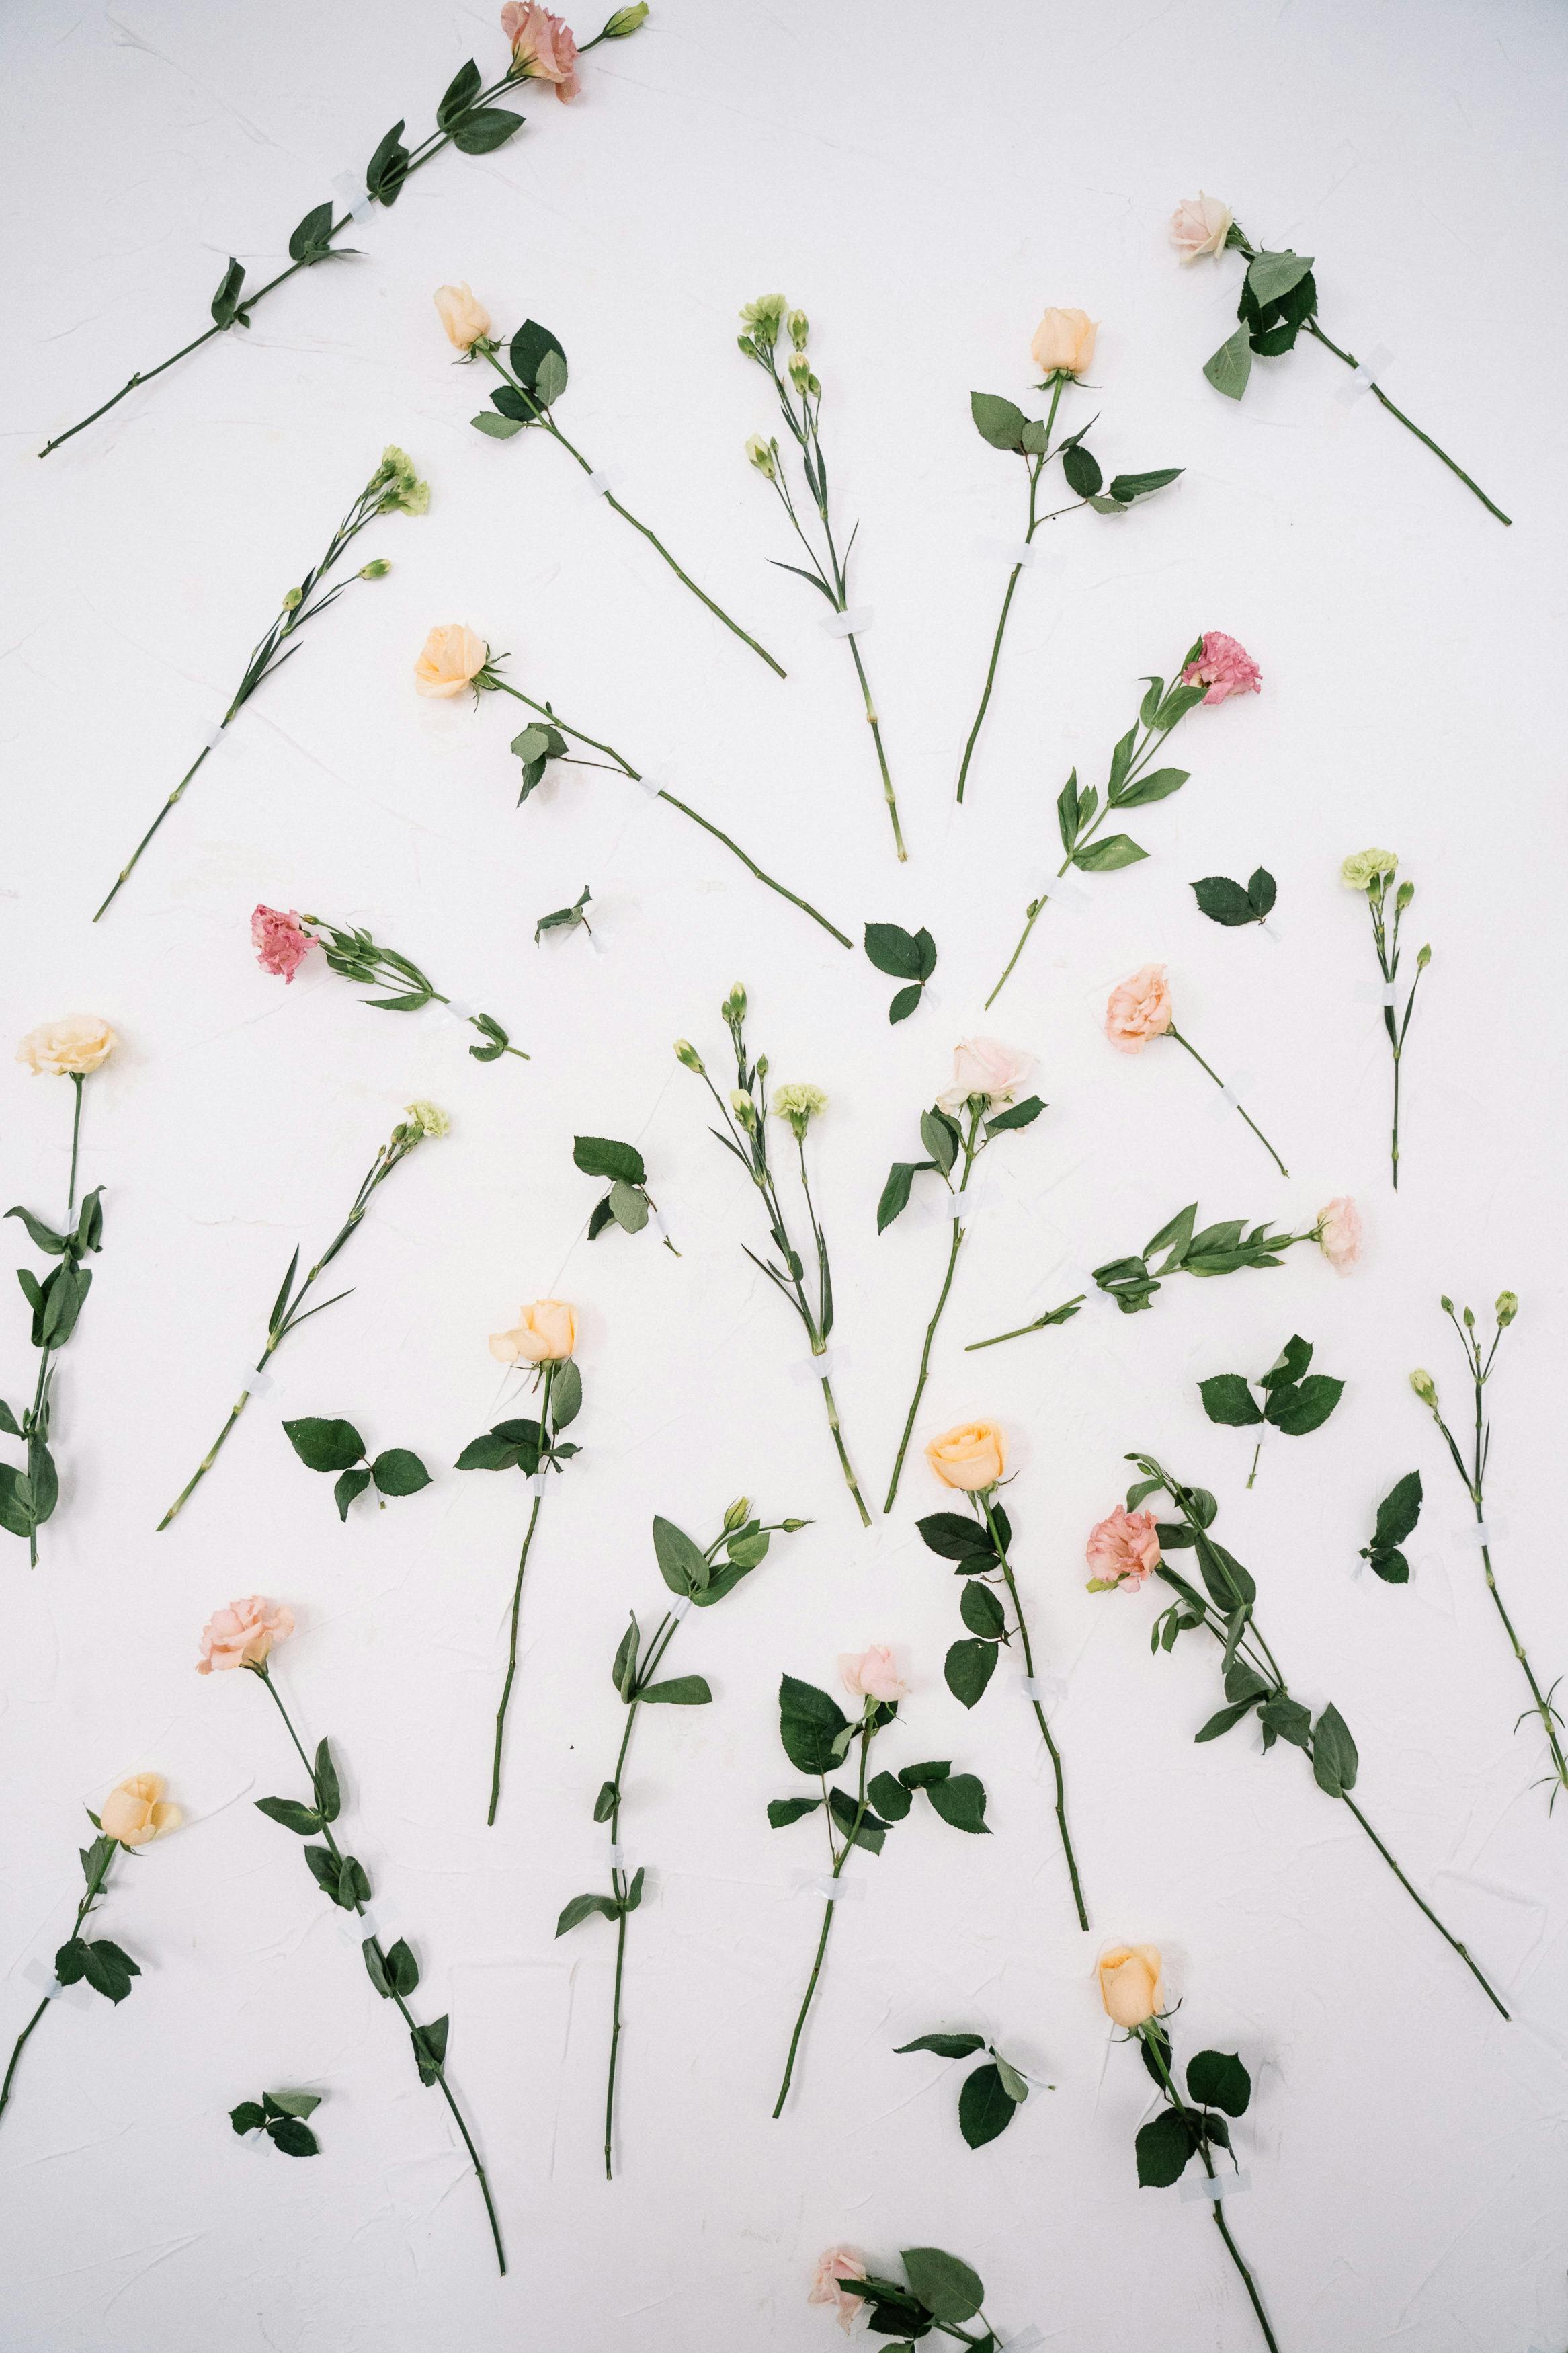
<point>253,1383</point>
<point>1069,1281</point>
<point>373,1920</point>
<point>680,1607</point>
<point>215,738</point>
<point>1363,376</point>
<point>1049,1691</point>
<point>352,191</point>
<point>1066,892</point>
<point>1009,551</point>
<point>979,1201</point>
<point>536,1482</point>
<point>1269,931</point>
<point>822,1883</point>
<point>657,1226</point>
<point>852,624</point>
<point>38,1975</point>
<point>654,780</point>
<point>620,1858</point>
<point>1377,992</point>
<point>1227,1098</point>
<point>1027,2340</point>
<point>1199,2186</point>
<point>600,946</point>
<point>604,479</point>
<point>457,1008</point>
<point>1485,1531</point>
<point>817,1368</point>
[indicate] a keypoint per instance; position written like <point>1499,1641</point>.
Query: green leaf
<point>480,133</point>
<point>809,1726</point>
<point>430,2048</point>
<point>1242,1681</point>
<point>896,1191</point>
<point>601,1156</point>
<point>1019,1114</point>
<point>1334,1758</point>
<point>905,1002</point>
<point>376,1968</point>
<point>584,1907</point>
<point>383,174</point>
<point>311,239</point>
<point>1223,902</point>
<point>225,301</point>
<point>924,1777</point>
<point>352,1484</point>
<point>980,1611</point>
<point>303,1820</point>
<point>1391,1566</point>
<point>1068,811</point>
<point>623,1666</point>
<point>960,1799</point>
<point>946,2046</point>
<point>1125,488</point>
<point>601,1217</point>
<point>1225,1719</point>
<point>489,1452</point>
<point>1284,1718</point>
<point>1217,2079</point>
<point>8,1421</point>
<point>500,428</point>
<point>323,1869</point>
<point>1271,276</point>
<point>1163,2147</point>
<point>16,1500</point>
<point>398,1473</point>
<point>1112,850</point>
<point>947,2287</point>
<point>294,2138</point>
<point>565,1394</point>
<point>1261,890</point>
<point>953,1537</point>
<point>1227,1399</point>
<point>529,347</point>
<point>295,2103</point>
<point>1083,475</point>
<point>681,1564</point>
<point>1228,368</point>
<point>681,1691</point>
<point>781,1812</point>
<point>1012,2084</point>
<point>249,2117</point>
<point>42,1237</point>
<point>1399,1512</point>
<point>605,1803</point>
<point>108,1968</point>
<point>890,1796</point>
<point>1157,786</point>
<point>324,1445</point>
<point>966,1671</point>
<point>633,1895</point>
<point>859,1825</point>
<point>628,1209</point>
<point>896,952</point>
<point>940,1138</point>
<point>329,1795</point>
<point>459,96</point>
<point>985,2106</point>
<point>1305,1406</point>
<point>1000,422</point>
<point>1289,1365</point>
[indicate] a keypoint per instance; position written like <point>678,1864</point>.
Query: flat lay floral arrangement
<point>871,1761</point>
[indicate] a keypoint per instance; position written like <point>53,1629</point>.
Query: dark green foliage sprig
<point>992,2094</point>
<point>1223,1249</point>
<point>909,956</point>
<point>567,919</point>
<point>628,1204</point>
<point>352,953</point>
<point>325,1444</point>
<point>1372,872</point>
<point>1233,904</point>
<point>281,2116</point>
<point>29,1491</point>
<point>1294,1400</point>
<point>938,2291</point>
<point>1397,1517</point>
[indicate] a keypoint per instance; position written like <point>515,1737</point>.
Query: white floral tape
<point>1269,931</point>
<point>681,1608</point>
<point>817,1368</point>
<point>1070,1281</point>
<point>620,1857</point>
<point>852,624</point>
<point>215,738</point>
<point>653,780</point>
<point>600,946</point>
<point>604,479</point>
<point>457,1008</point>
<point>1009,551</point>
<point>352,189</point>
<point>42,1979</point>
<point>1363,376</point>
<point>536,1482</point>
<point>373,1920</point>
<point>1049,1691</point>
<point>1485,1531</point>
<point>1223,2186</point>
<point>1377,992</point>
<point>822,1883</point>
<point>1068,890</point>
<point>1027,2340</point>
<point>1228,1097</point>
<point>657,1226</point>
<point>253,1383</point>
<point>978,1201</point>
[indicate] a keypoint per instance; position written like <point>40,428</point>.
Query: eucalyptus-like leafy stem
<point>393,488</point>
<point>1374,880</point>
<point>288,1309</point>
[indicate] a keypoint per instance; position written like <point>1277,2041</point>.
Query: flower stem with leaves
<point>1372,870</point>
<point>352,953</point>
<point>943,2292</point>
<point>100,1962</point>
<point>29,1494</point>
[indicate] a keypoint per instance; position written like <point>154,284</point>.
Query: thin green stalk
<point>1035,470</point>
<point>1150,2043</point>
<point>94,1888</point>
<point>1052,1316</point>
<point>1173,1032</point>
<point>876,727</point>
<point>37,1422</point>
<point>1410,425</point>
<point>1039,1711</point>
<point>619,1884</point>
<point>840,1858</point>
<point>517,1611</point>
<point>958,1231</point>
<point>1421,1905</point>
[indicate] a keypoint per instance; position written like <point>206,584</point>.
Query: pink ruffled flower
<point>870,1674</point>
<point>1138,1010</point>
<point>1223,666</point>
<point>243,1634</point>
<point>1339,1233</point>
<point>543,43</point>
<point>838,2263</point>
<point>281,941</point>
<point>1122,1550</point>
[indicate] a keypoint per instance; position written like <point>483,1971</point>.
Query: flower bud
<point>1507,1308</point>
<point>375,570</point>
<point>1469,1319</point>
<point>761,1066</point>
<point>1447,1305</point>
<point>744,1109</point>
<point>800,371</point>
<point>293,600</point>
<point>734,1005</point>
<point>625,22</point>
<point>760,454</point>
<point>685,1051</point>
<point>794,1527</point>
<point>739,1513</point>
<point>1425,1387</point>
<point>799,327</point>
<point>1403,896</point>
<point>1424,959</point>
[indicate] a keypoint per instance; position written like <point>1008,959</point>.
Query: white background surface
<point>924,181</point>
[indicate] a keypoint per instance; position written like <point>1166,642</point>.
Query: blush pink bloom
<point>1122,1550</point>
<point>1223,666</point>
<point>1200,225</point>
<point>1339,1233</point>
<point>1139,1009</point>
<point>543,43</point>
<point>243,1634</point>
<point>870,1674</point>
<point>280,941</point>
<point>984,1066</point>
<point>838,2263</point>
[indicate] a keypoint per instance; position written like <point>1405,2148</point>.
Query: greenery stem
<point>1351,361</point>
<point>1173,1032</point>
<point>1036,470</point>
<point>840,1858</point>
<point>1039,1711</point>
<point>517,1612</point>
<point>94,1888</point>
<point>1150,2043</point>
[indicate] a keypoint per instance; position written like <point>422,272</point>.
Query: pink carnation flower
<point>280,940</point>
<point>542,44</point>
<point>1223,666</point>
<point>1122,1550</point>
<point>243,1634</point>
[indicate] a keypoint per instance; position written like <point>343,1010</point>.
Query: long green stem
<point>1352,362</point>
<point>1061,1315</point>
<point>94,1888</point>
<point>845,1464</point>
<point>875,723</point>
<point>1173,1032</point>
<point>1421,1905</point>
<point>953,1249</point>
<point>840,1858</point>
<point>1150,2043</point>
<point>1036,470</point>
<point>1039,1711</point>
<point>664,1634</point>
<point>35,1424</point>
<point>516,1615</point>
<point>128,869</point>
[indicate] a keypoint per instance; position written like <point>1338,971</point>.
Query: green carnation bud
<point>292,601</point>
<point>1403,896</point>
<point>744,1109</point>
<point>1507,1308</point>
<point>761,455</point>
<point>794,1527</point>
<point>1424,959</point>
<point>799,327</point>
<point>1425,1387</point>
<point>734,1005</point>
<point>376,570</point>
<point>685,1051</point>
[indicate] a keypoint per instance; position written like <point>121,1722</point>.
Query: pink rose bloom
<point>1223,666</point>
<point>872,1675</point>
<point>1339,1233</point>
<point>837,2264</point>
<point>1122,1550</point>
<point>1200,225</point>
<point>984,1066</point>
<point>280,941</point>
<point>544,44</point>
<point>1139,1009</point>
<point>243,1634</point>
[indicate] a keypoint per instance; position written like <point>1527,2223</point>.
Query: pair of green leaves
<point>610,1907</point>
<point>1397,1517</point>
<point>942,2288</point>
<point>909,956</point>
<point>105,1965</point>
<point>1328,1742</point>
<point>539,364</point>
<point>990,2095</point>
<point>1231,904</point>
<point>627,1203</point>
<point>536,747</point>
<point>473,130</point>
<point>565,919</point>
<point>1220,1249</point>
<point>1278,295</point>
<point>524,1444</point>
<point>971,1663</point>
<point>1004,425</point>
<point>281,2116</point>
<point>327,1804</point>
<point>944,1139</point>
<point>679,1690</point>
<point>1295,1400</point>
<point>322,1443</point>
<point>1167,2144</point>
<point>392,1973</point>
<point>816,1735</point>
<point>687,1569</point>
<point>57,1302</point>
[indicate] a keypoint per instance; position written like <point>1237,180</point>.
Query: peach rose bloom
<point>543,43</point>
<point>1139,1009</point>
<point>984,1066</point>
<point>1200,225</point>
<point>463,315</point>
<point>1064,342</point>
<point>134,1812</point>
<point>453,657</point>
<point>971,1457</point>
<point>1339,1233</point>
<point>1132,1984</point>
<point>243,1634</point>
<point>70,1048</point>
<point>838,2263</point>
<point>870,1674</point>
<point>546,1333</point>
<point>1122,1550</point>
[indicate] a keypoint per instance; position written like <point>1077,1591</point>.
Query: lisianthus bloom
<point>452,660</point>
<point>1368,867</point>
<point>1340,1232</point>
<point>870,1674</point>
<point>838,2263</point>
<point>463,315</point>
<point>1064,342</point>
<point>1200,225</point>
<point>1132,1984</point>
<point>543,45</point>
<point>1223,666</point>
<point>71,1049</point>
<point>1138,1010</point>
<point>1123,1550</point>
<point>799,1103</point>
<point>985,1067</point>
<point>280,941</point>
<point>243,1634</point>
<point>546,1333</point>
<point>971,1457</point>
<point>135,1812</point>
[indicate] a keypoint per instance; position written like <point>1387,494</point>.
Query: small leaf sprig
<point>1294,1400</point>
<point>799,394</point>
<point>1372,870</point>
<point>938,2291</point>
<point>1479,1363</point>
<point>243,1637</point>
<point>909,956</point>
<point>133,1815</point>
<point>283,938</point>
<point>281,2116</point>
<point>1129,1546</point>
<point>1140,1008</point>
<point>1279,301</point>
<point>545,1340</point>
<point>289,1310</point>
<point>973,1459</point>
<point>454,660</point>
<point>323,1444</point>
<point>697,1576</point>
<point>818,1739</point>
<point>1234,905</point>
<point>1063,349</point>
<point>1397,1517</point>
<point>542,50</point>
<point>1213,669</point>
<point>534,378</point>
<point>394,489</point>
<point>991,2094</point>
<point>72,1048</point>
<point>1132,1990</point>
<point>567,919</point>
<point>746,1115</point>
<point>980,1104</point>
<point>628,1204</point>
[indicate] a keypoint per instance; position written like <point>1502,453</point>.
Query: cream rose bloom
<point>453,657</point>
<point>1200,225</point>
<point>971,1457</point>
<point>546,1333</point>
<point>134,1813</point>
<point>984,1066</point>
<point>463,315</point>
<point>1132,1984</point>
<point>871,1674</point>
<point>1138,1010</point>
<point>71,1049</point>
<point>1064,342</point>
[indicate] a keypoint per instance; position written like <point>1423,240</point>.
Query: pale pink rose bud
<point>1139,1009</point>
<point>1123,1550</point>
<point>839,2263</point>
<point>542,45</point>
<point>1200,225</point>
<point>463,315</point>
<point>546,1333</point>
<point>243,1634</point>
<point>1064,342</point>
<point>1132,1984</point>
<point>985,1067</point>
<point>1339,1233</point>
<point>453,657</point>
<point>870,1674</point>
<point>1223,667</point>
<point>134,1812</point>
<point>280,941</point>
